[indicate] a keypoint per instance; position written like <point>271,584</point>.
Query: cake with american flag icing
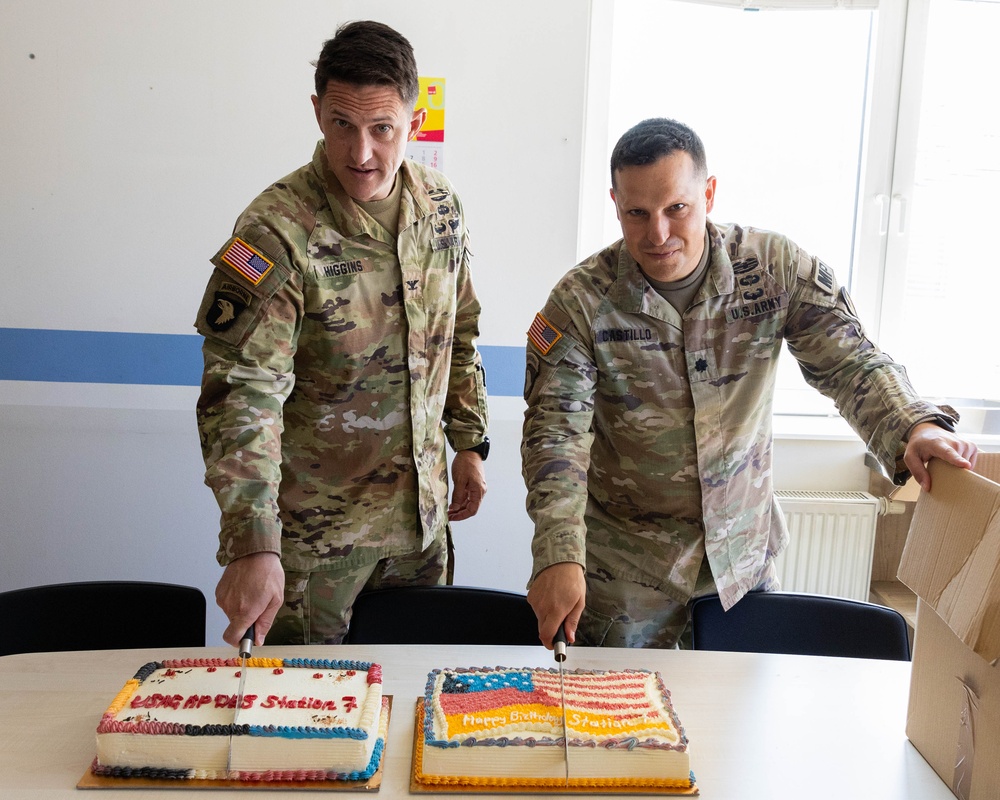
<point>503,727</point>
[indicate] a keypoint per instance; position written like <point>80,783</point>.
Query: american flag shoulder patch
<point>247,261</point>
<point>542,335</point>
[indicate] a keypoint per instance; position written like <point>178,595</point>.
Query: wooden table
<point>761,727</point>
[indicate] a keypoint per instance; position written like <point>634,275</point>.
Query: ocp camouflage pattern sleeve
<point>557,436</point>
<point>870,390</point>
<point>250,332</point>
<point>466,412</point>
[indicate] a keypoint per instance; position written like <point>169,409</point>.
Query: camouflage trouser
<point>317,608</point>
<point>620,613</point>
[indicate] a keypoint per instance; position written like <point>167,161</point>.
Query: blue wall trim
<point>160,359</point>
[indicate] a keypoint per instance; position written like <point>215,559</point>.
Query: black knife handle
<point>246,643</point>
<point>559,643</point>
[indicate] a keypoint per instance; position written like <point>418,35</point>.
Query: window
<point>939,315</point>
<point>809,134</point>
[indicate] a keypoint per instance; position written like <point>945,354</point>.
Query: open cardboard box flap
<point>952,554</point>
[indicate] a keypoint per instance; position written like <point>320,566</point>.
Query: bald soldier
<point>650,376</point>
<point>340,325</point>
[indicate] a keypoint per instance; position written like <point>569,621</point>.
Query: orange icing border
<point>583,783</point>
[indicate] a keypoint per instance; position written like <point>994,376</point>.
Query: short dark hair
<point>368,53</point>
<point>652,139</point>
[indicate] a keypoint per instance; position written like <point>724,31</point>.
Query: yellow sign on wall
<point>428,147</point>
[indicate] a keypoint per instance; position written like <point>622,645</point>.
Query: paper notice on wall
<point>428,147</point>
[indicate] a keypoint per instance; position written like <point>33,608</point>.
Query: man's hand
<point>251,591</point>
<point>556,595</point>
<point>468,480</point>
<point>928,441</point>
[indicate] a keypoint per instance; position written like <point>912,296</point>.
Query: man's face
<point>366,129</point>
<point>662,208</point>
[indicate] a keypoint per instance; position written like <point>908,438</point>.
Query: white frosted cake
<point>300,720</point>
<point>503,727</point>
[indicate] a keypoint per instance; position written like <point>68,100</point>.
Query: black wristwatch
<point>483,448</point>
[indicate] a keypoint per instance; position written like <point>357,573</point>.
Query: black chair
<point>800,624</point>
<point>442,615</point>
<point>101,615</point>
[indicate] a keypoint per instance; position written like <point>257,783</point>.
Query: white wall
<point>133,132</point>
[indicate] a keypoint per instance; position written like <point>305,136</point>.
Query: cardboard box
<point>952,562</point>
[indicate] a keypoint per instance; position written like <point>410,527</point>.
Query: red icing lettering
<point>270,702</point>
<point>350,703</point>
<point>277,670</point>
<point>197,700</point>
<point>157,700</point>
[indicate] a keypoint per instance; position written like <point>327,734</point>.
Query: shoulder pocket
<point>249,270</point>
<point>817,283</point>
<point>547,341</point>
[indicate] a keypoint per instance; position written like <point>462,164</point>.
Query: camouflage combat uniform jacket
<point>333,353</point>
<point>647,437</point>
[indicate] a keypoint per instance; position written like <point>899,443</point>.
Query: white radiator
<point>832,541</point>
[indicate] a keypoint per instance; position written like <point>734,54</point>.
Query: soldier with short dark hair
<point>340,325</point>
<point>650,378</point>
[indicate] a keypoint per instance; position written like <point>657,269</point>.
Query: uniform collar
<point>631,286</point>
<point>347,217</point>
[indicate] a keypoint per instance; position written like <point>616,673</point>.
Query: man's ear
<point>417,122</point>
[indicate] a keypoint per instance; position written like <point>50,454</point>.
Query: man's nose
<point>658,230</point>
<point>361,148</point>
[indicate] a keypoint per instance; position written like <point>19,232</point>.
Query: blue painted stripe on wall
<point>160,359</point>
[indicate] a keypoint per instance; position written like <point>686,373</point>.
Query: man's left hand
<point>928,441</point>
<point>468,480</point>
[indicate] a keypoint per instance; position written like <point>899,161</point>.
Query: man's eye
<point>383,129</point>
<point>342,123</point>
<point>636,212</point>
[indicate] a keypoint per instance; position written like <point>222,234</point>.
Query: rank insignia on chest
<point>247,261</point>
<point>542,335</point>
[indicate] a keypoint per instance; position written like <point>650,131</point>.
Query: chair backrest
<point>101,615</point>
<point>800,624</point>
<point>442,615</point>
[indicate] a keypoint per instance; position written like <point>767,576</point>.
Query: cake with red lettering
<point>299,720</point>
<point>500,727</point>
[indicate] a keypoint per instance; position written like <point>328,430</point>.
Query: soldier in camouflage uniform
<point>339,329</point>
<point>650,375</point>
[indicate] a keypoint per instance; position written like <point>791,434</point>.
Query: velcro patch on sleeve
<point>824,278</point>
<point>543,335</point>
<point>247,260</point>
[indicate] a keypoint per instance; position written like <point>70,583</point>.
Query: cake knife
<point>245,649</point>
<point>559,650</point>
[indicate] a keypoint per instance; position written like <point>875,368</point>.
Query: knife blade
<point>245,649</point>
<point>559,650</point>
